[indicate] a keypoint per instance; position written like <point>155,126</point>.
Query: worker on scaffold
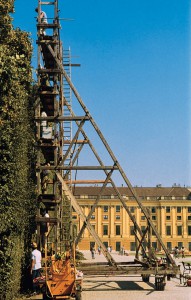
<point>45,179</point>
<point>43,20</point>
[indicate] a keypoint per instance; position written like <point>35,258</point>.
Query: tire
<point>145,277</point>
<point>160,283</point>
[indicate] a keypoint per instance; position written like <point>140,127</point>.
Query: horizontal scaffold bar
<point>47,220</point>
<point>52,25</point>
<point>76,142</point>
<point>48,93</point>
<point>84,181</point>
<point>44,41</point>
<point>62,118</point>
<point>127,268</point>
<point>48,71</point>
<point>72,65</point>
<point>79,168</point>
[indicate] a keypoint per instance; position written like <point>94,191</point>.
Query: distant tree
<point>17,189</point>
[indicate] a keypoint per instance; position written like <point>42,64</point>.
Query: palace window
<point>105,208</point>
<point>153,233</point>
<point>105,217</point>
<point>118,208</point>
<point>118,246</point>
<point>169,245</point>
<point>154,245</point>
<point>168,209</point>
<point>179,209</point>
<point>132,246</point>
<point>117,229</point>
<point>132,230</point>
<point>189,246</point>
<point>153,210</point>
<point>105,229</point>
<point>168,230</point>
<point>189,230</point>
<point>117,217</point>
<point>179,230</point>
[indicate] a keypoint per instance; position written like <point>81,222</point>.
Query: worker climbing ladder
<point>64,153</point>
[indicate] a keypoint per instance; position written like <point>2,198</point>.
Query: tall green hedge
<point>17,179</point>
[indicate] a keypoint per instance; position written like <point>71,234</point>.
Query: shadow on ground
<point>91,285</point>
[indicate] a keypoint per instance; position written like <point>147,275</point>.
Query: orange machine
<point>62,280</point>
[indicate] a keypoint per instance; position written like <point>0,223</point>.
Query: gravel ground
<point>130,287</point>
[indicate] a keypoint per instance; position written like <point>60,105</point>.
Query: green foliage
<point>17,182</point>
<point>79,256</point>
<point>6,7</point>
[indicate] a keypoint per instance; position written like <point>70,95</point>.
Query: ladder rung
<point>47,3</point>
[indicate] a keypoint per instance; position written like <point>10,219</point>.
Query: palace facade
<point>169,208</point>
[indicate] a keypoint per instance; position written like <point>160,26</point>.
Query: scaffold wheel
<point>160,283</point>
<point>145,277</point>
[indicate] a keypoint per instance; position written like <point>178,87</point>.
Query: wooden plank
<point>47,220</point>
<point>84,181</point>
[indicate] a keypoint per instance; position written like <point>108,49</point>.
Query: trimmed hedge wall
<point>17,155</point>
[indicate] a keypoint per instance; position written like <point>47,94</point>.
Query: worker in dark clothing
<point>45,179</point>
<point>92,252</point>
<point>44,229</point>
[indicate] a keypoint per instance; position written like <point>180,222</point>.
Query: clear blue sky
<point>134,79</point>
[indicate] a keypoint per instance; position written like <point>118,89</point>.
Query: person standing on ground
<point>35,265</point>
<point>92,252</point>
<point>176,252</point>
<point>183,250</point>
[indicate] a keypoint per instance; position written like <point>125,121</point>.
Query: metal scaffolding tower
<point>63,155</point>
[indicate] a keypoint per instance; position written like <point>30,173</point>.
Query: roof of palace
<point>141,191</point>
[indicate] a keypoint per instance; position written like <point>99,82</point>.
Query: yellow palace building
<point>169,207</point>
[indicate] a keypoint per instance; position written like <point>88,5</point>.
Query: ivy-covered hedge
<point>17,188</point>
